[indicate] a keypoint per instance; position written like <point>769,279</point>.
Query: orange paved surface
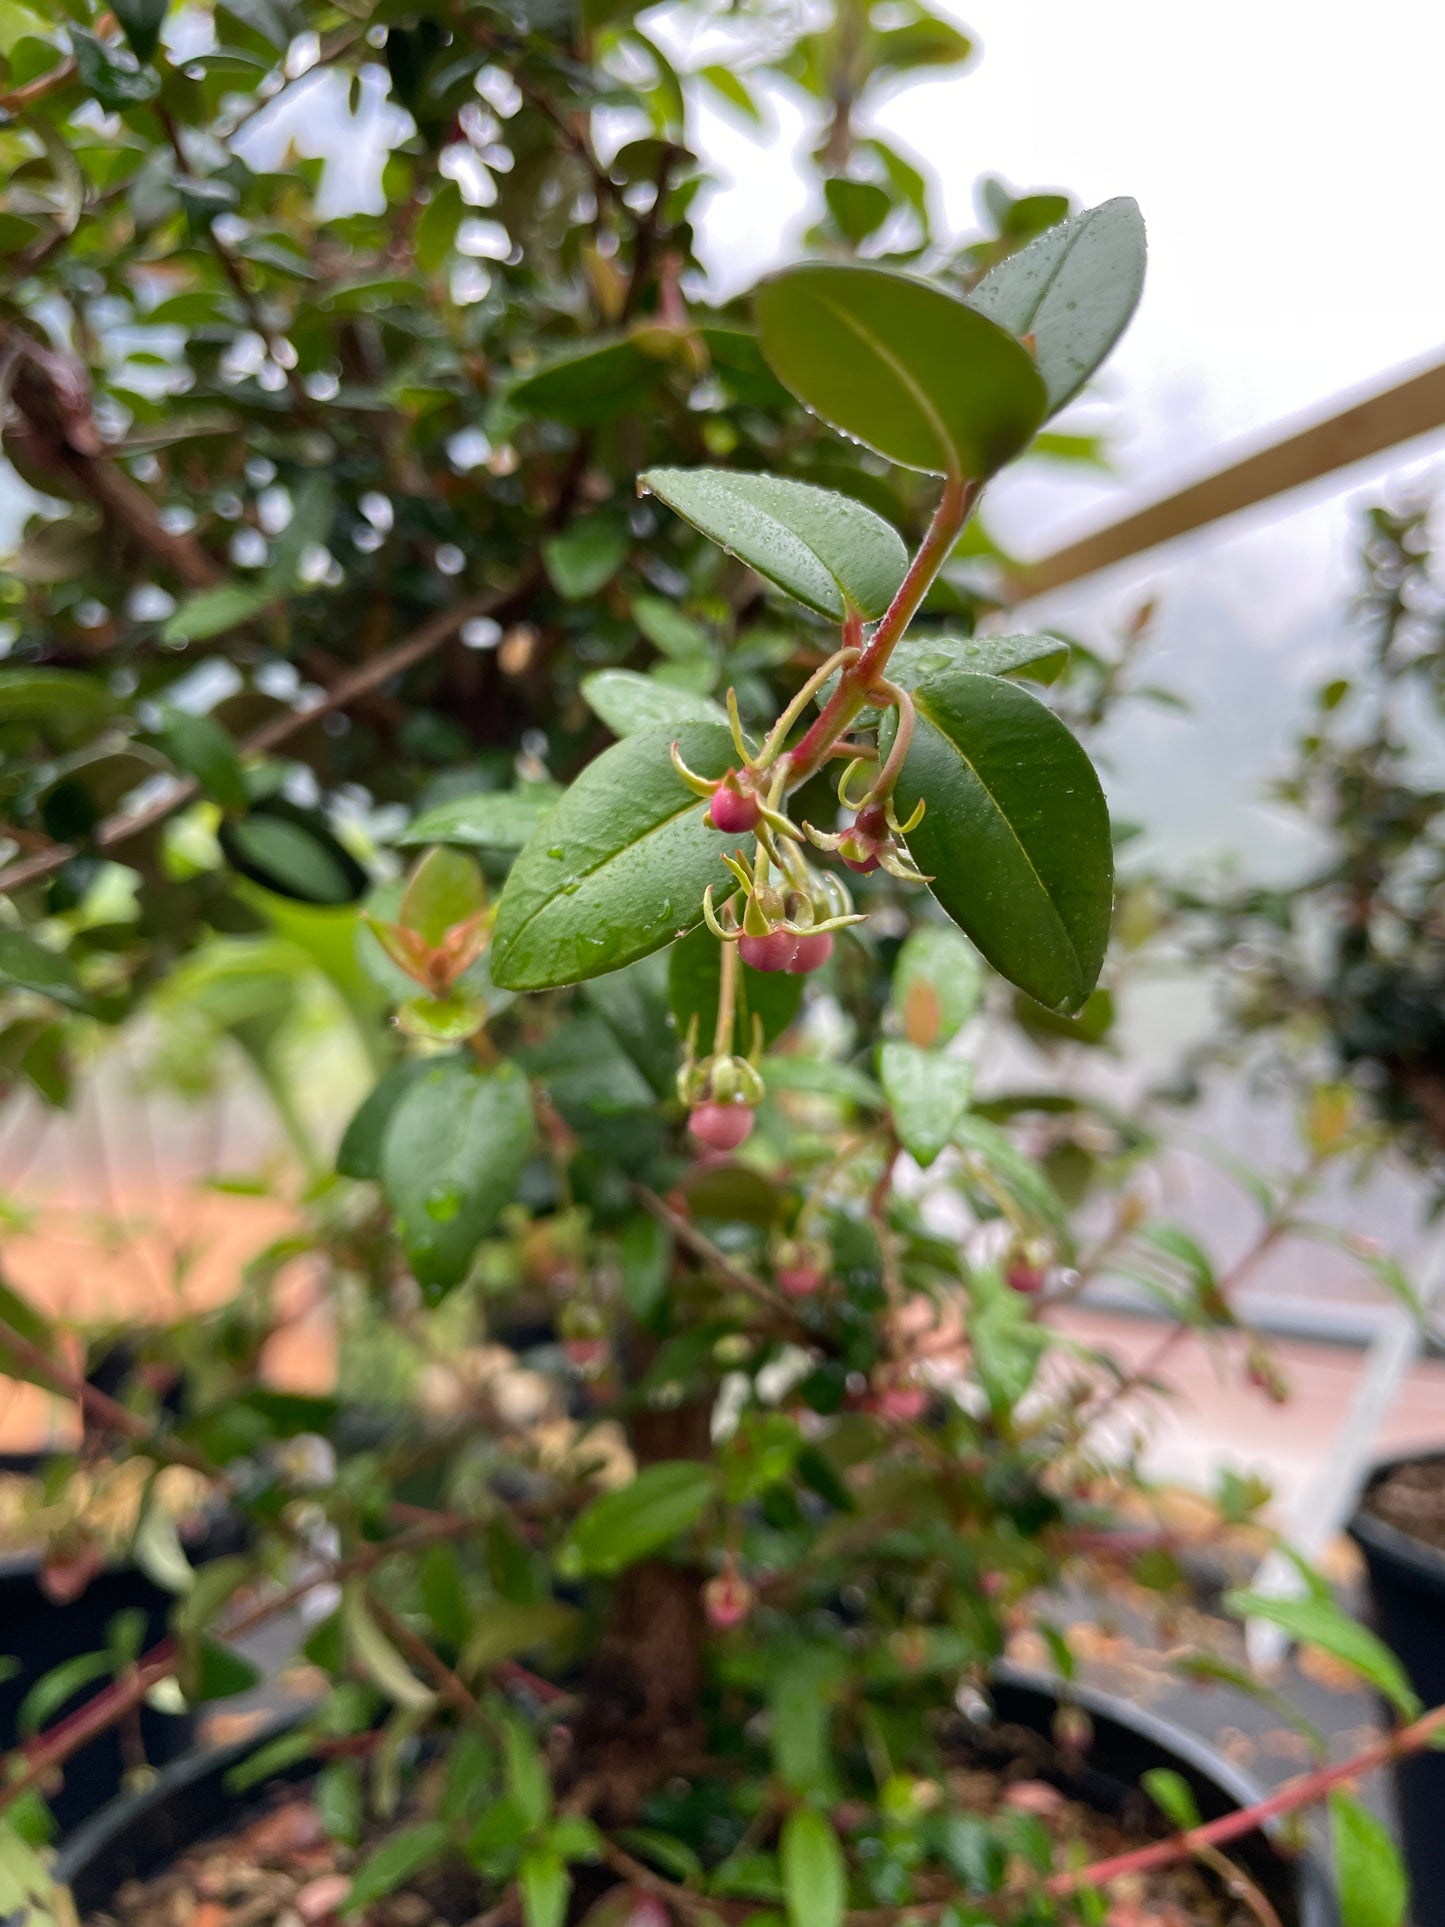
<point>189,1249</point>
<point>149,1261</point>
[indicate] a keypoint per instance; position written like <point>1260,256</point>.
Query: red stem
<point>854,684</point>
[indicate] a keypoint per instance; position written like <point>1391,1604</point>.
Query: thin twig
<point>702,1247</point>
<point>410,650</point>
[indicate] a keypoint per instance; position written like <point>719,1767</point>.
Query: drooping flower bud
<point>727,1600</point>
<point>721,1127</point>
<point>734,809</point>
<point>774,951</point>
<point>812,953</point>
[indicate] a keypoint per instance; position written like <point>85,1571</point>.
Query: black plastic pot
<point>42,1635</point>
<point>1407,1610</point>
<point>138,1835</point>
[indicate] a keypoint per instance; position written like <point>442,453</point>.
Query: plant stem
<point>851,695</point>
<point>727,997</point>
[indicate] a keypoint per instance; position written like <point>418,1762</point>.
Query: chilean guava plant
<point>439,612</point>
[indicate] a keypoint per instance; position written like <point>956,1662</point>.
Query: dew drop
<point>556,850</point>
<point>571,887</point>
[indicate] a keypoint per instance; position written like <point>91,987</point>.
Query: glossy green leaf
<point>452,1152</point>
<point>1373,1887</point>
<point>858,208</point>
<point>1073,290</point>
<point>937,984</point>
<point>373,1653</point>
<point>1016,835</point>
<point>825,550</point>
<point>205,749</point>
<point>927,1094</point>
<point>1040,659</point>
<point>815,1876</point>
<point>627,702</point>
<point>669,629</point>
<point>919,376</point>
<point>1319,1622</point>
<point>587,385</point>
<point>113,85</point>
<point>490,820</point>
<point>141,21</point>
<point>626,1525</point>
<point>694,985</point>
<point>586,555</point>
<point>619,867</point>
<point>26,964</point>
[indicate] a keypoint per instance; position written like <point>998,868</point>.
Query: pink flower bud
<point>800,1281</point>
<point>905,1402</point>
<point>775,951</point>
<point>811,954</point>
<point>864,868</point>
<point>732,809</point>
<point>1025,1278</point>
<point>727,1601</point>
<point>721,1127</point>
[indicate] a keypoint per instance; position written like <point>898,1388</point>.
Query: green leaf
<point>211,612</point>
<point>937,984</point>
<point>359,1153</point>
<point>627,702</point>
<point>205,749</point>
<point>490,820</point>
<point>1173,1795</point>
<point>587,385</point>
<point>1041,659</point>
<point>730,89</point>
<point>1073,290</point>
<point>1016,837</point>
<point>156,1548</point>
<point>927,1093</point>
<point>618,868</point>
<point>825,550</point>
<point>53,1689</point>
<point>1319,1622</point>
<point>858,208</point>
<point>22,1317</point>
<point>527,1780</point>
<point>65,700</point>
<point>1373,1887</point>
<point>586,555</point>
<point>919,376</point>
<point>395,1861</point>
<point>646,1255</point>
<point>292,852</point>
<point>815,1878</point>
<point>444,889</point>
<point>451,1155</point>
<point>545,1883</point>
<point>374,1654</point>
<point>114,86</point>
<point>28,965</point>
<point>670,630</point>
<point>220,1673</point>
<point>694,981</point>
<point>1014,1179</point>
<point>624,1526</point>
<point>141,21</point>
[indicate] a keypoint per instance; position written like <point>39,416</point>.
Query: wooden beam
<point>1410,408</point>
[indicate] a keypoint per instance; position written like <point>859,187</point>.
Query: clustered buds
<point>789,929</point>
<point>871,841</point>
